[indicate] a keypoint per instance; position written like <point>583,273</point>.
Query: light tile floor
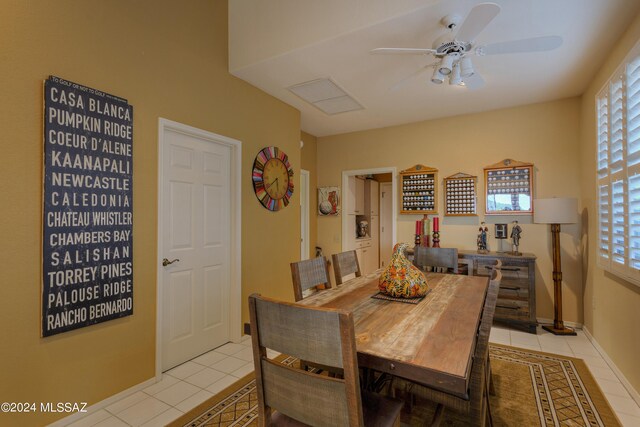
<point>186,386</point>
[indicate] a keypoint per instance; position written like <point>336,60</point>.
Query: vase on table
<point>401,278</point>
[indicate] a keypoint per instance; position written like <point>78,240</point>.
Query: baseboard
<point>632,391</point>
<point>103,404</point>
<point>574,325</point>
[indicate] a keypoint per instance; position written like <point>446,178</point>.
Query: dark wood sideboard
<point>517,297</point>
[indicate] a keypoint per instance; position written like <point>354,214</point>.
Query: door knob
<point>166,262</point>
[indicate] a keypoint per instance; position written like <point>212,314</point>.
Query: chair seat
<point>320,367</point>
<point>377,411</point>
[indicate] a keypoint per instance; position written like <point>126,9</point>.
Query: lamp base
<point>559,331</point>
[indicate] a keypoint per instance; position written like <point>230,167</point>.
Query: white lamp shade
<point>437,77</point>
<point>466,67</point>
<point>558,210</point>
<point>446,65</point>
<point>454,78</point>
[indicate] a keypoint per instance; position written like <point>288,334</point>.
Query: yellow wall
<point>169,59</point>
<point>309,162</point>
<point>546,135</point>
<point>611,305</point>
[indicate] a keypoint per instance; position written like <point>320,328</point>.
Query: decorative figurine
<point>516,231</point>
<point>482,238</point>
<point>363,228</point>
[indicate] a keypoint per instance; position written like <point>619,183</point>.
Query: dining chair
<point>436,258</point>
<point>476,406</point>
<point>497,265</point>
<point>294,397</point>
<point>344,264</point>
<point>494,282</point>
<point>306,275</point>
<point>309,274</point>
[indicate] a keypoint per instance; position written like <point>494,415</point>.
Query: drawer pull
<point>508,307</point>
<point>489,267</point>
<point>510,288</point>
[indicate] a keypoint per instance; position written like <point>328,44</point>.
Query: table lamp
<point>556,211</point>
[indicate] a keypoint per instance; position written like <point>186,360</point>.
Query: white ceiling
<point>275,45</point>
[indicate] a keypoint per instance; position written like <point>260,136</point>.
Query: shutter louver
<point>633,113</point>
<point>603,136</point>
<point>618,226</point>
<point>634,222</point>
<point>604,221</point>
<point>616,98</point>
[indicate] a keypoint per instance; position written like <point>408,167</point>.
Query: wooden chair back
<point>345,263</point>
<point>482,346</point>
<point>424,257</point>
<point>320,335</point>
<point>309,274</point>
<point>480,371</point>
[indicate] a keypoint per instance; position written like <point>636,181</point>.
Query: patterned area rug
<point>532,389</point>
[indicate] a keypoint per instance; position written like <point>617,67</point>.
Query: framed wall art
<point>509,188</point>
<point>328,201</point>
<point>460,195</point>
<point>419,190</point>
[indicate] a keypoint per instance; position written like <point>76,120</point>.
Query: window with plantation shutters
<point>618,170</point>
<point>633,162</point>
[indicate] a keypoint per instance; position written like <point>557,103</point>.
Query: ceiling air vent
<point>326,95</point>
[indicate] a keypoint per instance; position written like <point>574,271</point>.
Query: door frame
<point>385,185</point>
<point>345,200</point>
<point>235,258</point>
<point>304,212</point>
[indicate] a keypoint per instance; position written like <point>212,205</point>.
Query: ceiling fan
<point>453,50</point>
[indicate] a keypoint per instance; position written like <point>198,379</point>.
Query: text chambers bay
<point>88,212</point>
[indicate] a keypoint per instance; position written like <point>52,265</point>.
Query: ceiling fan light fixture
<point>454,78</point>
<point>466,67</point>
<point>446,65</point>
<point>438,77</point>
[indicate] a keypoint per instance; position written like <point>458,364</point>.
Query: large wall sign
<point>87,247</point>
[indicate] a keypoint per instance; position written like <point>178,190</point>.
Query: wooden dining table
<point>431,342</point>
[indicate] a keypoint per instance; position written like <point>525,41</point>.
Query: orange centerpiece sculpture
<point>401,279</point>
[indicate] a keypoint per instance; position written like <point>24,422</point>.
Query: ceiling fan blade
<point>536,44</point>
<point>477,20</point>
<point>474,82</point>
<point>401,51</point>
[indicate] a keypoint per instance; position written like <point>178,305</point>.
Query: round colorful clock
<point>272,178</point>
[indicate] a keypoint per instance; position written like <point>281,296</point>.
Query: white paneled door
<point>195,250</point>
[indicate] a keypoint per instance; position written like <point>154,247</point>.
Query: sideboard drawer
<point>512,309</point>
<point>514,292</point>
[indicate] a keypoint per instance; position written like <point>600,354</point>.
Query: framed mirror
<point>509,188</point>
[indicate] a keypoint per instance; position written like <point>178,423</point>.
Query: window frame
<point>621,203</point>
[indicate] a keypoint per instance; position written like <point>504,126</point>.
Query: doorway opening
<point>362,209</point>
